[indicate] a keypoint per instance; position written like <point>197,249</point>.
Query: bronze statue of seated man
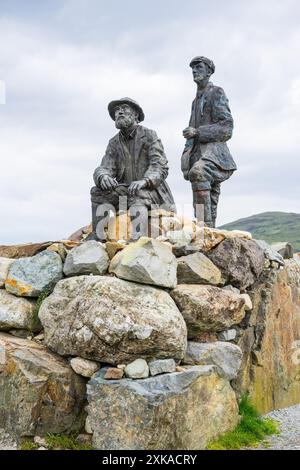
<point>132,174</point>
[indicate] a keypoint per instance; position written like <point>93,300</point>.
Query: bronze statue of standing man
<point>206,161</point>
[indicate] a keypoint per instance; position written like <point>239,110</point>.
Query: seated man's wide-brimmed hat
<point>205,60</point>
<point>112,105</point>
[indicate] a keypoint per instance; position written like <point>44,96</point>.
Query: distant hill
<point>271,226</point>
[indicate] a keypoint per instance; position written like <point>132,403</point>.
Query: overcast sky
<point>62,61</point>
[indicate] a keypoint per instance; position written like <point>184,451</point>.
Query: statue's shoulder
<point>217,91</point>
<point>149,133</point>
<point>114,140</point>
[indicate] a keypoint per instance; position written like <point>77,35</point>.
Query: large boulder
<point>17,313</point>
<point>182,410</point>
<point>110,320</point>
<point>29,277</point>
<point>4,267</point>
<point>198,269</point>
<point>240,261</point>
<point>226,357</point>
<point>40,393</point>
<point>270,341</point>
<point>208,308</point>
<point>89,258</point>
<point>147,261</point>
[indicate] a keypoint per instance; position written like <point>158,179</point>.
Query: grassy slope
<point>271,226</point>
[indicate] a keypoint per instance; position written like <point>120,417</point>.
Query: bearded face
<point>125,117</point>
<point>200,72</point>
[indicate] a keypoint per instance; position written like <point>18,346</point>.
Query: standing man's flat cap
<point>205,60</point>
<point>130,102</point>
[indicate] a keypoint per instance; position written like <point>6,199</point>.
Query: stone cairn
<point>136,345</point>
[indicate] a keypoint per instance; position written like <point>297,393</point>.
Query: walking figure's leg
<point>214,196</point>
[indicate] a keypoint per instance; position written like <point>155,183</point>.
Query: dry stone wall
<point>159,337</point>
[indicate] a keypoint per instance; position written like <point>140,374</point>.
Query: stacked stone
<point>154,324</point>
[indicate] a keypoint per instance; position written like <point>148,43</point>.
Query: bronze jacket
<point>150,162</point>
<point>211,115</point>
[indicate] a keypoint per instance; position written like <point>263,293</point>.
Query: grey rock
<point>84,440</point>
<point>2,358</point>
<point>225,356</point>
<point>114,373</point>
<point>87,426</point>
<point>227,335</point>
<point>182,410</point>
<point>137,369</point>
<point>84,367</point>
<point>89,258</point>
<point>40,337</point>
<point>246,297</point>
<point>198,269</point>
<point>270,253</point>
<point>162,366</point>
<point>182,249</point>
<point>248,301</point>
<point>275,265</point>
<point>146,261</point>
<point>40,393</point>
<point>110,320</point>
<point>17,313</point>
<point>4,266</point>
<point>169,222</point>
<point>21,333</point>
<point>241,261</point>
<point>40,441</point>
<point>267,263</point>
<point>232,289</point>
<point>208,308</point>
<point>60,249</point>
<point>284,249</point>
<point>29,277</point>
<point>183,236</point>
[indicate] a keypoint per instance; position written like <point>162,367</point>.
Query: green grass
<point>28,444</point>
<point>251,430</point>
<point>272,227</point>
<point>64,442</point>
<point>56,442</point>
